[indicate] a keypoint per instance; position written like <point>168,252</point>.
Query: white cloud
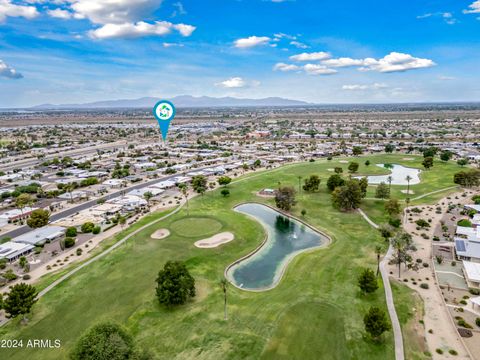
<point>355,87</point>
<point>396,62</point>
<point>7,8</point>
<point>315,69</point>
<point>60,14</point>
<point>285,67</point>
<point>473,8</point>
<point>314,56</point>
<point>446,16</point>
<point>251,41</point>
<point>237,82</point>
<point>167,45</point>
<point>9,72</point>
<point>344,62</point>
<point>445,77</point>
<point>180,9</point>
<point>139,29</point>
<point>299,45</point>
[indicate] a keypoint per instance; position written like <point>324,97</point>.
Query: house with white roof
<point>467,243</point>
<point>471,270</point>
<point>41,235</point>
<point>12,250</point>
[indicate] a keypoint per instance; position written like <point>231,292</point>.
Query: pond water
<point>398,174</point>
<point>286,237</point>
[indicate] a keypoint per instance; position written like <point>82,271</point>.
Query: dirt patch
<point>215,240</point>
<point>160,234</point>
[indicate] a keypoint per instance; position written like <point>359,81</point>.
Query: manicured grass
<point>317,298</point>
<point>196,226</point>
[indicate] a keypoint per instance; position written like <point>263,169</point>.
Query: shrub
<point>26,277</point>
<point>439,351</point>
<point>79,252</point>
<point>88,227</point>
<point>474,291</point>
<point>464,324</point>
<point>395,222</point>
<point>96,230</point>
<point>69,242</point>
<point>477,321</point>
<point>464,222</point>
<point>71,232</point>
<point>452,352</point>
<point>424,286</point>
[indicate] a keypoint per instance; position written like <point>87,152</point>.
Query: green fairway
<point>316,311</point>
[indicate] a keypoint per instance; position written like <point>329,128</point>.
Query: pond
<point>398,174</point>
<point>286,237</point>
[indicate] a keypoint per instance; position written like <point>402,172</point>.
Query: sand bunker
<point>330,169</point>
<point>410,192</point>
<point>343,161</point>
<point>160,234</point>
<point>215,240</point>
<point>408,158</point>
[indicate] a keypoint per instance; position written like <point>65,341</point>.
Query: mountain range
<point>183,101</point>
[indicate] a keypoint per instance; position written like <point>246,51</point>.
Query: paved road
<point>87,204</point>
<point>98,257</point>
<point>397,330</point>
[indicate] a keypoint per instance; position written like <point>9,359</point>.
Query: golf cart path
<point>397,330</point>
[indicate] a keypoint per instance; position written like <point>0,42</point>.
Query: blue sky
<point>74,51</point>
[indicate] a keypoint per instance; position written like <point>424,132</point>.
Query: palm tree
<point>69,188</point>
<point>299,183</point>
<point>184,189</point>
<point>389,179</point>
<point>378,251</point>
<point>408,178</point>
<point>148,195</point>
<point>122,221</point>
<point>224,285</point>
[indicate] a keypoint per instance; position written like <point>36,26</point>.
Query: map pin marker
<point>164,112</point>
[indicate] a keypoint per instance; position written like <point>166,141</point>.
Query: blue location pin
<point>164,112</point>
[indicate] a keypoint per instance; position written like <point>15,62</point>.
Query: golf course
<point>314,312</point>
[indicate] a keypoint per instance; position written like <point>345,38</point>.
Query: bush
<point>71,232</point>
<point>26,277</point>
<point>88,227</point>
<point>439,351</point>
<point>79,252</point>
<point>395,222</point>
<point>69,242</point>
<point>96,230</point>
<point>453,352</point>
<point>424,286</point>
<point>464,324</point>
<point>474,291</point>
<point>464,222</point>
<point>477,321</point>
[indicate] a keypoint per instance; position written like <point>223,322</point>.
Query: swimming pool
<point>285,238</point>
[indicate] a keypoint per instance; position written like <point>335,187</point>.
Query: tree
<point>224,285</point>
<point>87,227</point>
<point>104,341</point>
<point>285,198</point>
<point>348,196</point>
<point>427,162</point>
<point>335,181</point>
<point>225,192</point>
<point>378,252</point>
<point>367,281</point>
<point>353,167</point>
<point>175,285</point>
<point>22,201</point>
<point>184,190</point>
<point>445,155</point>
<point>303,212</point>
<point>392,207</point>
<point>257,163</point>
<point>389,180</point>
<point>408,178</point>
<point>430,152</point>
<point>363,185</point>
<point>467,178</point>
<point>312,183</point>
<point>38,218</point>
<point>376,322</point>
<point>23,263</point>
<point>367,163</point>
<point>69,188</point>
<point>382,191</point>
<point>199,184</point>
<point>386,231</point>
<point>69,242</point>
<point>462,162</point>
<point>148,195</point>
<point>357,150</point>
<point>224,180</point>
<point>338,170</point>
<point>122,220</point>
<point>402,244</point>
<point>389,148</point>
<point>20,300</point>
<point>71,231</point>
